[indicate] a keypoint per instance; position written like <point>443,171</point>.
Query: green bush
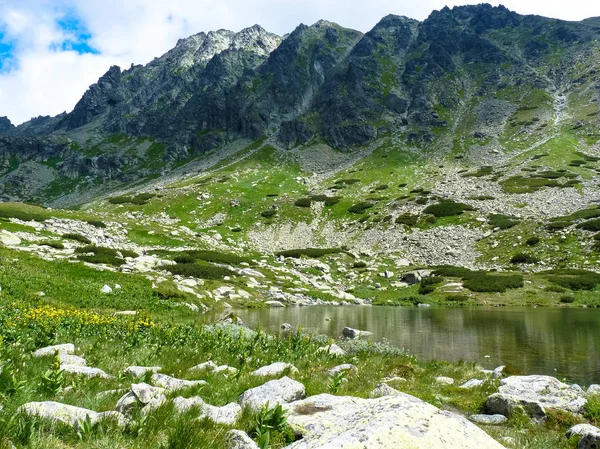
<point>184,258</point>
<point>99,254</point>
<point>557,225</point>
<point>422,200</point>
<point>407,219</point>
<point>502,221</point>
<point>167,291</point>
<point>303,202</point>
<point>487,283</point>
<point>138,200</point>
<point>359,208</point>
<point>268,213</point>
<point>308,252</point>
<point>382,187</point>
<point>482,198</point>
<point>96,223</point>
<point>20,215</point>
<point>359,265</point>
<point>52,244</point>
<point>215,257</point>
<point>332,200</point>
<point>427,285</point>
<point>447,208</point>
<point>77,237</point>
<point>532,241</point>
<point>573,279</point>
<point>483,171</point>
<point>457,298</point>
<point>200,270</point>
<point>590,225</point>
<point>523,258</point>
<point>567,299</point>
<point>452,271</point>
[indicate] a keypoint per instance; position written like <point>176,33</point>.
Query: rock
<point>533,394</point>
<point>414,277</point>
<point>274,304</point>
<point>383,389</point>
<point>142,394</point>
<point>581,429</point>
<point>472,383</point>
<point>139,371</point>
<point>85,371</point>
<point>106,289</point>
<point>332,349</point>
<point>275,369</point>
<point>206,366</point>
<point>67,348</point>
<point>488,419</point>
<point>286,327</point>
<point>498,372</point>
<point>68,414</point>
<point>182,404</point>
<point>590,436</point>
<point>593,389</point>
<point>389,422</point>
<point>348,332</point>
<point>126,313</point>
<point>9,239</point>
<point>237,439</point>
<point>280,391</point>
<point>227,415</point>
<point>70,359</point>
<point>173,384</point>
<point>340,368</point>
<point>444,380</point>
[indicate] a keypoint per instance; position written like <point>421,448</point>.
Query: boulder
<point>444,380</point>
<point>275,369</point>
<point>68,414</point>
<point>106,289</point>
<point>70,359</point>
<point>173,384</point>
<point>227,415</point>
<point>143,395</point>
<point>280,391</point>
<point>342,368</point>
<point>389,422</point>
<point>533,394</point>
<point>593,389</point>
<point>67,348</point>
<point>286,327</point>
<point>85,371</point>
<point>182,404</point>
<point>472,383</point>
<point>498,372</point>
<point>590,436</point>
<point>414,277</point>
<point>238,439</point>
<point>581,430</point>
<point>488,419</point>
<point>139,371</point>
<point>333,349</point>
<point>383,389</point>
<point>348,332</point>
<point>9,239</point>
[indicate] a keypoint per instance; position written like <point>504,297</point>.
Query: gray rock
<point>593,389</point>
<point>68,414</point>
<point>227,415</point>
<point>414,277</point>
<point>472,383</point>
<point>383,389</point>
<point>280,391</point>
<point>488,419</point>
<point>590,436</point>
<point>106,289</point>
<point>333,349</point>
<point>389,422</point>
<point>275,369</point>
<point>581,429</point>
<point>182,404</point>
<point>70,359</point>
<point>534,394</point>
<point>348,332</point>
<point>340,368</point>
<point>237,439</point>
<point>85,371</point>
<point>498,372</point>
<point>67,348</point>
<point>286,327</point>
<point>274,304</point>
<point>143,395</point>
<point>9,239</point>
<point>139,371</point>
<point>444,380</point>
<point>173,384</point>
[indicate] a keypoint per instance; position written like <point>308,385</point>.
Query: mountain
<point>469,76</point>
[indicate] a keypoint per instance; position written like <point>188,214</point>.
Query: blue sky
<point>52,50</point>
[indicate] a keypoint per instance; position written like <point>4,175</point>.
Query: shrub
<point>557,225</point>
<point>502,221</point>
<point>359,265</point>
<point>573,279</point>
<point>483,171</point>
<point>215,257</point>
<point>236,229</point>
<point>452,271</point>
<point>272,195</point>
<point>346,182</point>
<point>532,241</point>
<point>268,213</point>
<point>184,258</point>
<point>138,200</point>
<point>482,198</point>
<point>51,244</point>
<point>427,285</point>
<point>382,187</point>
<point>407,219</point>
<point>96,223</point>
<point>554,289</point>
<point>303,202</point>
<point>77,237</point>
<point>422,200</point>
<point>483,282</point>
<point>99,254</point>
<point>590,225</point>
<point>200,270</point>
<point>447,208</point>
<point>523,258</point>
<point>308,252</point>
<point>128,253</point>
<point>567,299</point>
<point>457,298</point>
<point>359,208</point>
<point>166,291</point>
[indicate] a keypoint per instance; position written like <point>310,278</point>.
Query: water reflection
<point>559,342</point>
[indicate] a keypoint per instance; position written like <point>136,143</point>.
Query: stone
<point>286,327</point>
<point>143,395</point>
<point>67,348</point>
<point>70,359</point>
<point>498,372</point>
<point>533,394</point>
<point>332,349</point>
<point>348,332</point>
<point>590,436</point>
<point>206,366</point>
<point>472,383</point>
<point>126,313</point>
<point>106,289</point>
<point>490,420</point>
<point>383,389</point>
<point>68,414</point>
<point>581,429</point>
<point>414,277</point>
<point>85,371</point>
<point>342,368</point>
<point>274,304</point>
<point>444,380</point>
<point>389,422</point>
<point>238,439</point>
<point>227,415</point>
<point>173,384</point>
<point>593,389</point>
<point>139,371</point>
<point>182,404</point>
<point>9,239</point>
<point>275,369</point>
<point>279,391</point>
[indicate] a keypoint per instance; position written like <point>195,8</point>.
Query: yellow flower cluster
<point>50,313</point>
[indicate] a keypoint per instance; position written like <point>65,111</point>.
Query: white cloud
<point>48,82</point>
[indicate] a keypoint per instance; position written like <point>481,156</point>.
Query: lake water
<point>560,342</point>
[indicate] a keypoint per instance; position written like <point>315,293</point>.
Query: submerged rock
<point>389,422</point>
<point>348,332</point>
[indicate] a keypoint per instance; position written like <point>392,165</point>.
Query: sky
<point>51,51</point>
